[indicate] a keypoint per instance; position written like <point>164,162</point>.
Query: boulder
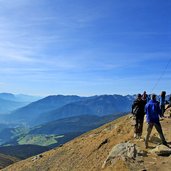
<point>124,151</point>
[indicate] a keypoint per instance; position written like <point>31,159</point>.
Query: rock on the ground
<point>37,157</point>
<point>161,150</point>
<point>125,151</point>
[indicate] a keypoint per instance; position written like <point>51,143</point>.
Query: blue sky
<point>85,47</point>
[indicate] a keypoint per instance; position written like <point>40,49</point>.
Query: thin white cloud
<point>1,83</point>
<point>15,58</point>
<point>10,54</point>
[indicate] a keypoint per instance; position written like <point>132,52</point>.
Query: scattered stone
<point>139,159</point>
<point>107,129</point>
<point>37,157</point>
<point>124,151</point>
<point>92,135</point>
<point>104,142</point>
<point>110,127</point>
<point>141,153</point>
<point>161,150</point>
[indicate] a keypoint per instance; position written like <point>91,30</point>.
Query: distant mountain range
<point>7,106</point>
<point>19,97</point>
<point>55,120</point>
<point>96,105</point>
<point>30,112</point>
<point>10,102</point>
<point>57,107</point>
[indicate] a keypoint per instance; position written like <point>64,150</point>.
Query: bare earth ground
<point>89,151</point>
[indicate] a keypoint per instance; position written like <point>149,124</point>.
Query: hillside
<point>8,133</point>
<point>23,151</point>
<point>53,133</point>
<point>6,160</point>
<point>81,123</point>
<point>89,151</point>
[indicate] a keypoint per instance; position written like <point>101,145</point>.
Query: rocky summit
<point>109,148</point>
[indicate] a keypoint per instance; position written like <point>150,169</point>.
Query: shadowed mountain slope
<point>96,105</point>
<point>6,160</point>
<point>53,133</point>
<point>23,151</point>
<point>46,104</point>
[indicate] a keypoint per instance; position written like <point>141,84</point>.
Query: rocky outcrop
<point>127,152</point>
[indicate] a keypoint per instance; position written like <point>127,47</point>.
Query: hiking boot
<point>165,143</point>
<point>146,146</point>
<point>141,139</point>
<point>146,143</point>
<point>139,136</point>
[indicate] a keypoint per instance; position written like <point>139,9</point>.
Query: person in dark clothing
<point>153,112</point>
<point>138,113</point>
<point>145,97</point>
<point>162,102</point>
<point>169,103</point>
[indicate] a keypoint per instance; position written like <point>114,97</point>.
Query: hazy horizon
<point>46,95</point>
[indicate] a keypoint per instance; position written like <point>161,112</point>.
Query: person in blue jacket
<point>153,112</point>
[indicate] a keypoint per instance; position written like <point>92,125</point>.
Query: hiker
<point>169,105</point>
<point>162,102</point>
<point>153,111</point>
<point>138,113</point>
<point>145,97</point>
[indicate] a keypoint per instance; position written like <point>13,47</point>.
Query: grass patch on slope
<point>42,140</point>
